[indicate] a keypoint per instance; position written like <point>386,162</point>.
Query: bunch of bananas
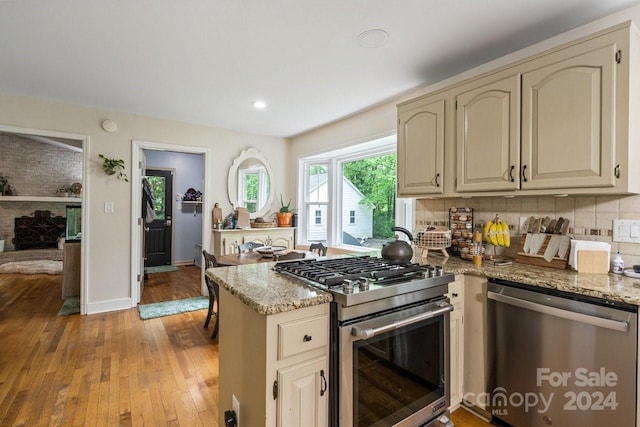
<point>496,232</point>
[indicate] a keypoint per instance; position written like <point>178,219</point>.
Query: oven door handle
<point>372,332</point>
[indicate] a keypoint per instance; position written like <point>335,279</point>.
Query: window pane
<point>317,184</point>
<point>316,223</point>
<point>158,185</point>
<point>369,194</point>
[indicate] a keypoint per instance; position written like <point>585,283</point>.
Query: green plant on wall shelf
<point>111,166</point>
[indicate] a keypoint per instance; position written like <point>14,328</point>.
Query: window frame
<point>334,160</point>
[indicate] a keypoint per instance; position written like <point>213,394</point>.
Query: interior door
<point>158,232</point>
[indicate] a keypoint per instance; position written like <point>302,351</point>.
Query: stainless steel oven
<point>389,359</point>
<point>394,367</point>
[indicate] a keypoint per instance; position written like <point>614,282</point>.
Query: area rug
<point>160,269</point>
<point>168,308</point>
<point>71,305</point>
<point>32,267</point>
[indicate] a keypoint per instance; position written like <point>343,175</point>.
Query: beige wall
<point>109,255</point>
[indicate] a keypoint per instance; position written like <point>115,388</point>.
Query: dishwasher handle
<point>601,322</point>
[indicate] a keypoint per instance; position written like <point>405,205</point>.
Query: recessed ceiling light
<point>373,38</point>
<point>260,105</point>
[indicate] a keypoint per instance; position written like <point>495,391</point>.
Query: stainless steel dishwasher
<point>560,359</point>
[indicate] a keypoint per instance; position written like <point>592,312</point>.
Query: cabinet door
<point>568,118</point>
<point>303,395</point>
<point>282,241</point>
<point>421,149</point>
<point>457,355</point>
<point>488,136</point>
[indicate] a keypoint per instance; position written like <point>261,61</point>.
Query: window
<point>253,187</point>
<point>349,195</point>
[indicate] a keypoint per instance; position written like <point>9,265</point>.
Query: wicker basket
<point>264,225</point>
<point>437,239</point>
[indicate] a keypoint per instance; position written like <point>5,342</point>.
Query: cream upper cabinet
<point>561,121</point>
<point>421,139</point>
<point>488,135</point>
<point>568,121</point>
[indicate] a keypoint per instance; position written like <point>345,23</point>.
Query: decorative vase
<point>284,219</point>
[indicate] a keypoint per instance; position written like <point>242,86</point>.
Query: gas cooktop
<point>354,280</point>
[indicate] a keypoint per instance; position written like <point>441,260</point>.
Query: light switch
<point>626,230</point>
<point>108,207</point>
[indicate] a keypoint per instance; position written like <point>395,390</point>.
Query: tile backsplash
<point>591,217</point>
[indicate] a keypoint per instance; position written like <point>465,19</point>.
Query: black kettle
<point>398,252</point>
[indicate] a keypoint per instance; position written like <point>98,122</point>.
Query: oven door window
<point>398,373</point>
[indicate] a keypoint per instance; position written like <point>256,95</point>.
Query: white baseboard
<point>111,305</point>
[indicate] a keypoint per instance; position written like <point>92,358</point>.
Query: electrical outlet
<point>625,230</point>
<point>108,207</point>
<point>235,405</point>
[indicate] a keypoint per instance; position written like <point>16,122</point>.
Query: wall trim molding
<point>105,306</point>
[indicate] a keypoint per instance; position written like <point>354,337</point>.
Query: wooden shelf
<point>189,202</point>
<point>52,199</point>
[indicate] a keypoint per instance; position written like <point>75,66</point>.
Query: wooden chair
<point>290,256</point>
<point>318,248</point>
<point>211,262</point>
<point>249,247</point>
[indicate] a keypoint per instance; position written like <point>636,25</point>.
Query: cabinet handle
<point>511,173</point>
<point>323,390</point>
<point>437,179</point>
<point>306,338</point>
<point>454,295</point>
<point>524,173</point>
<point>616,171</point>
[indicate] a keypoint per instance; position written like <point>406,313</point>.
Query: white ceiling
<point>206,61</point>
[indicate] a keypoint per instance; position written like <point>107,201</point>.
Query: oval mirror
<point>250,183</point>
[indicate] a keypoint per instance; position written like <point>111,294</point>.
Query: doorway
<point>159,232</point>
<point>184,240</point>
<point>71,142</point>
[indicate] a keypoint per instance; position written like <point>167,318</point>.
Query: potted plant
<point>285,214</point>
<point>111,166</point>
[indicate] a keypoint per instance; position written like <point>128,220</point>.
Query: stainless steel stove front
<point>392,368</point>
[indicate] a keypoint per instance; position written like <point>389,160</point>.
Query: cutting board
<point>538,257</point>
<point>593,262</point>
<point>216,215</point>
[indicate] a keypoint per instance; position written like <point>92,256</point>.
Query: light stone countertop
<point>615,287</point>
<point>266,291</point>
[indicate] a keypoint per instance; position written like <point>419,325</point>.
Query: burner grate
<point>333,272</point>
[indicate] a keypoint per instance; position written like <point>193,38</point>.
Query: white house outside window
<point>334,210</point>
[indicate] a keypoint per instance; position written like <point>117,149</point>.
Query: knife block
<point>538,258</point>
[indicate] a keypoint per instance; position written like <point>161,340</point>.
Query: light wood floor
<point>103,370</point>
<point>463,418</point>
<point>184,283</point>
<point>109,369</point>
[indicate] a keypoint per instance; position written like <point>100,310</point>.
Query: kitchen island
<point>266,316</point>
<point>274,347</point>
